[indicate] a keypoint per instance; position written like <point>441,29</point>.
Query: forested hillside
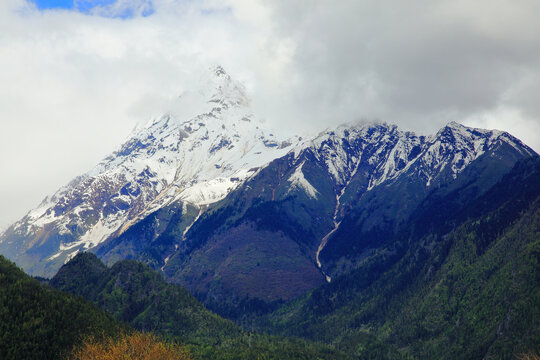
<point>38,322</point>
<point>137,295</point>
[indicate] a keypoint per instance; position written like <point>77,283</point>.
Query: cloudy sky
<point>77,75</point>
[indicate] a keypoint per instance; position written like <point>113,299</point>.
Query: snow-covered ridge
<point>297,180</point>
<point>391,152</point>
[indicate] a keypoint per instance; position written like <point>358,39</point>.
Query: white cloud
<point>73,85</point>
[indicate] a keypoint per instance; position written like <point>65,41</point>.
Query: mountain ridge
<point>184,165</point>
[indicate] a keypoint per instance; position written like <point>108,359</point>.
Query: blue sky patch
<point>54,4</point>
<point>85,6</point>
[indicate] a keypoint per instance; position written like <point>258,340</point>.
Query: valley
<point>335,220</point>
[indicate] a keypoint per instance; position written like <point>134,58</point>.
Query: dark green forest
<point>138,296</point>
<point>39,322</point>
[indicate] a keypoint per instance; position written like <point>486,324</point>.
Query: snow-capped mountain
<point>182,166</point>
<point>196,156</point>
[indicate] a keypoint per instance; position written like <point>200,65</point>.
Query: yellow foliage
<point>135,346</point>
<point>530,356</point>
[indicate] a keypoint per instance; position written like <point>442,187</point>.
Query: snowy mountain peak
<point>219,71</point>
<point>196,155</point>
<point>455,125</point>
<point>222,90</point>
<point>214,93</point>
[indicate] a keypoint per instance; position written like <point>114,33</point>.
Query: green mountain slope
<point>137,295</point>
<point>38,322</point>
<point>464,283</point>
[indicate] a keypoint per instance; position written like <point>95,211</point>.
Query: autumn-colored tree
<point>530,356</point>
<point>135,346</point>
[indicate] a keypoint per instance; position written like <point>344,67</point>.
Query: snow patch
<point>297,180</point>
<point>71,256</point>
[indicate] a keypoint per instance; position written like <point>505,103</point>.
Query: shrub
<point>135,346</point>
<point>530,356</point>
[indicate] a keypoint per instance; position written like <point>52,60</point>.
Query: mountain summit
<point>196,157</point>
